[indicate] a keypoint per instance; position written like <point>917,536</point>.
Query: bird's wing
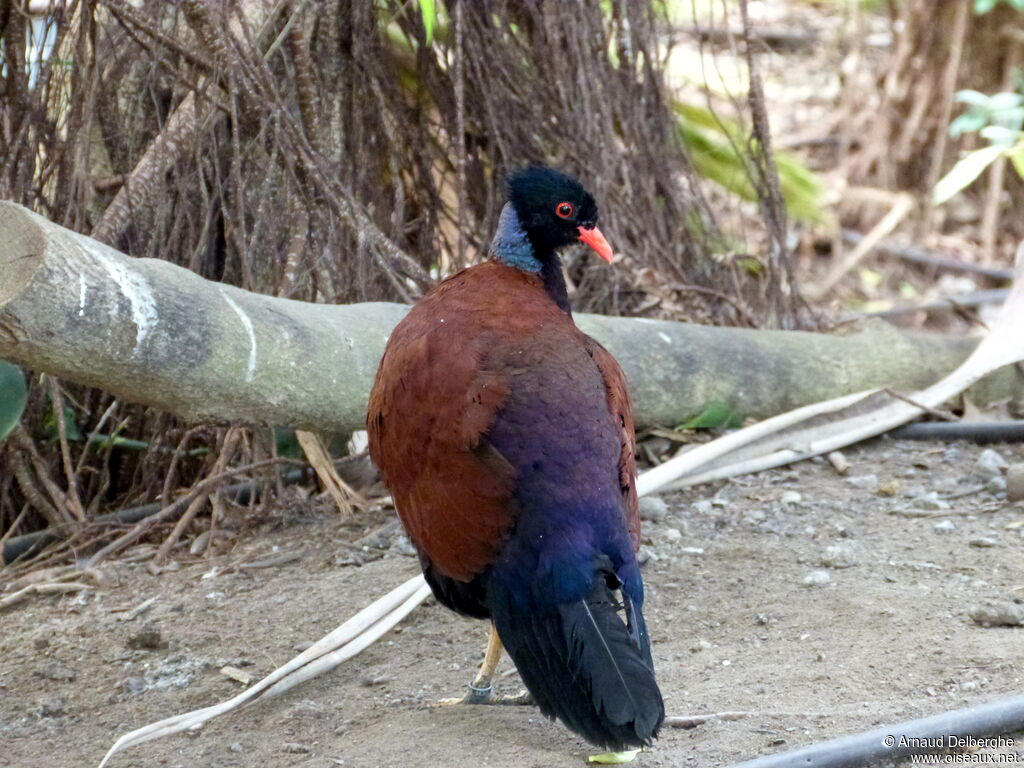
<point>452,489</point>
<point>622,411</point>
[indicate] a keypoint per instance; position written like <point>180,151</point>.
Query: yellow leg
<point>482,681</point>
<point>480,689</point>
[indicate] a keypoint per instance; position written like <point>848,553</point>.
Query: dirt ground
<point>735,627</point>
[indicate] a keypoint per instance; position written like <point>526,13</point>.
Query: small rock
<point>236,747</point>
<point>864,482</point>
<point>700,645</point>
<point>673,534</point>
<point>295,748</point>
<point>989,464</point>
<point>692,551</point>
<point>52,708</point>
<point>659,446</point>
<point>134,684</point>
<point>944,526</point>
<point>843,555</point>
<point>817,578</point>
<point>146,639</point>
<point>915,491</point>
<point>56,670</point>
<point>1015,482</point>
<point>998,613</point>
<point>839,462</point>
<point>791,497</point>
<point>954,454</point>
<point>996,486</point>
<point>890,488</point>
<point>653,508</point>
<point>754,516</point>
<point>930,501</point>
<point>703,506</point>
<point>402,546</point>
<point>983,542</point>
<point>236,674</point>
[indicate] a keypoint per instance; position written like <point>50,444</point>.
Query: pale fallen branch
<point>344,642</point>
<point>903,205</point>
<point>834,424</point>
<point>808,431</point>
<point>53,588</point>
<point>345,497</point>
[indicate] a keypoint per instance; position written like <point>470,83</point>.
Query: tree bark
<point>151,332</point>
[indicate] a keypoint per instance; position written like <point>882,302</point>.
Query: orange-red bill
<point>595,240</point>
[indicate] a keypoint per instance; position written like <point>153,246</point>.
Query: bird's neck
<point>512,246</point>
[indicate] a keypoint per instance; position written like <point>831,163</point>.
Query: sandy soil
<point>734,628</point>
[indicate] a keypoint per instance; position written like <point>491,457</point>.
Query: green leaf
<point>115,441</point>
<point>52,429</point>
<point>968,122</point>
<point>287,443</point>
<point>715,415</point>
<point>967,169</point>
<point>1004,100</point>
<point>428,12</point>
<point>997,134</point>
<point>13,396</point>
<point>972,97</point>
<point>715,145</point>
<point>1017,158</point>
<point>1010,118</point>
<point>751,265</point>
<point>984,6</point>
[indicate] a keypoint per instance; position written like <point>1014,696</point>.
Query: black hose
<point>930,258</point>
<point>961,728</point>
<point>976,431</point>
<point>30,544</point>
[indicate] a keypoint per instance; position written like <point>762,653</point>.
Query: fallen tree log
<point>151,332</point>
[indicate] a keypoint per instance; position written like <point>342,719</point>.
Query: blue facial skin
<point>511,245</point>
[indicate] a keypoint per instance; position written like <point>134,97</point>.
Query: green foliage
<point>715,415</point>
<point>428,12</point>
<point>287,443</point>
<point>999,119</point>
<point>1002,110</point>
<point>715,146</point>
<point>115,441</point>
<point>984,6</point>
<point>13,396</point>
<point>52,429</point>
<point>867,5</point>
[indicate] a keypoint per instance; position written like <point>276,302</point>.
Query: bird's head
<point>546,210</point>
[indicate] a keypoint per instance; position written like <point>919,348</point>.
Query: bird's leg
<point>481,690</point>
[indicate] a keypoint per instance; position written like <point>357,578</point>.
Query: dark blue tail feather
<point>583,664</point>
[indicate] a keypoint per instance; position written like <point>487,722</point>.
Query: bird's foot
<point>475,695</point>
<point>484,694</point>
<point>523,698</point>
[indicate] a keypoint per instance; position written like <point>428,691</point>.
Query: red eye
<point>564,210</point>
